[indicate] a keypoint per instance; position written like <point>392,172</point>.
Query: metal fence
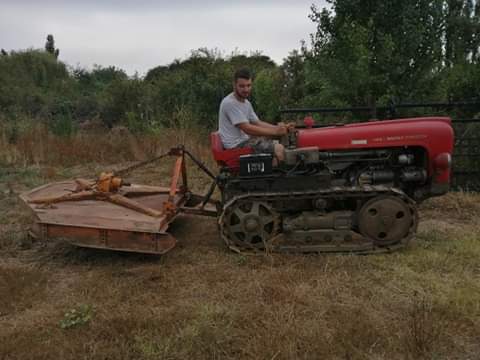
<point>466,155</point>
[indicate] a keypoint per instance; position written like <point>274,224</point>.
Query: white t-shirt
<point>233,112</point>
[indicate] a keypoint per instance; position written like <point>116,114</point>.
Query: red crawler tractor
<point>344,188</point>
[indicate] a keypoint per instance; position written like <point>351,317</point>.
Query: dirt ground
<point>201,301</point>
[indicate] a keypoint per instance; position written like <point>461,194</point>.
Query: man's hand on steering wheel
<point>281,130</point>
<point>289,125</point>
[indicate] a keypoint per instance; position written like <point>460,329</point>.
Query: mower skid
<point>109,239</point>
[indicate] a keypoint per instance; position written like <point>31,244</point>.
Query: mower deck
<point>136,223</point>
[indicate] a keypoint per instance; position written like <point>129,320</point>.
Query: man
<point>240,127</point>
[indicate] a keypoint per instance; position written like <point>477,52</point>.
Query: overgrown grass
<point>33,144</point>
<point>201,301</point>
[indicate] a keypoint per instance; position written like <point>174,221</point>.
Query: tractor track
<point>363,193</point>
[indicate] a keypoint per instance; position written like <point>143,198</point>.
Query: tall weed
<point>34,143</point>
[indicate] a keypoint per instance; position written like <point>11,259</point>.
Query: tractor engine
<point>351,187</point>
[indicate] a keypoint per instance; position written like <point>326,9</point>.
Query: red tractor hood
<point>433,133</point>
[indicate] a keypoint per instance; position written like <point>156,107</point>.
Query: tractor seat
<point>226,157</point>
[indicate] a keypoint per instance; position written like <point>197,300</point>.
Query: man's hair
<point>242,73</point>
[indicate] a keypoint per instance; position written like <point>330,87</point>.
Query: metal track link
<point>362,245</point>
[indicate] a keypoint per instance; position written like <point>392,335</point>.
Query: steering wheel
<point>289,139</point>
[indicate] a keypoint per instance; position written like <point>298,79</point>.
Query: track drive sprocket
<point>249,224</point>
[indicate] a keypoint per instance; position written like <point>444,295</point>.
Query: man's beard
<point>241,96</point>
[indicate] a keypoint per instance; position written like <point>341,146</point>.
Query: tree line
<point>361,53</point>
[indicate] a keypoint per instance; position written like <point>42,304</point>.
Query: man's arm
<point>290,125</point>
<point>263,124</point>
<point>255,129</point>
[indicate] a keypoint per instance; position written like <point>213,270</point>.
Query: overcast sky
<point>139,35</point>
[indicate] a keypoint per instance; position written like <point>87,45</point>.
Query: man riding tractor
<point>240,127</point>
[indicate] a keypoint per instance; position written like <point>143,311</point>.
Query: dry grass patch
<point>34,145</point>
<point>201,301</point>
<point>20,288</point>
<point>460,207</point>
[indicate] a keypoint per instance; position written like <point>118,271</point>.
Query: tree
<point>266,91</point>
<point>90,88</point>
<point>31,81</point>
<point>196,85</point>
<point>294,86</point>
<point>462,31</point>
<point>369,51</point>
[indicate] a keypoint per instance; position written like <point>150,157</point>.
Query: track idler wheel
<point>249,225</point>
<point>387,220</point>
